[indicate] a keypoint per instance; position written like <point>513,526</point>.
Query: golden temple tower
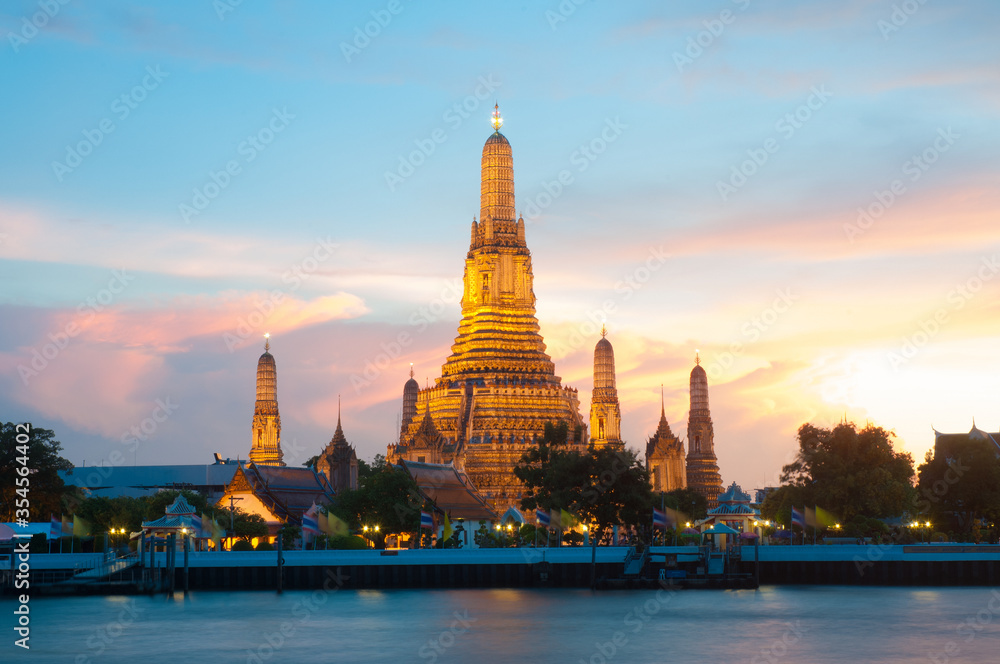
<point>702,464</point>
<point>265,449</point>
<point>498,387</point>
<point>665,456</point>
<point>605,412</point>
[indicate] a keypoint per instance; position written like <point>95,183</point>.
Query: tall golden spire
<point>496,120</point>
<point>496,193</point>
<point>265,449</point>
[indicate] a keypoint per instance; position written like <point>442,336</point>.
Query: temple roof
<point>286,491</point>
<point>734,494</point>
<point>450,490</point>
<point>180,506</point>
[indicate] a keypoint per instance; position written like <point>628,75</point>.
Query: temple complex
<point>339,461</point>
<point>498,387</point>
<point>265,449</point>
<point>665,456</point>
<point>605,412</point>
<point>702,464</point>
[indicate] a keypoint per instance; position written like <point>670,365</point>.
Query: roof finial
<point>604,330</point>
<point>496,120</point>
<point>338,410</point>
<point>697,357</point>
<point>411,369</point>
<point>663,412</point>
<point>267,341</point>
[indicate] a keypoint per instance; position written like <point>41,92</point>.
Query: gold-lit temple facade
<point>498,388</point>
<point>265,449</point>
<point>605,411</point>
<point>702,465</point>
<point>665,457</point>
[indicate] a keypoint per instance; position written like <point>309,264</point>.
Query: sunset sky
<point>177,181</point>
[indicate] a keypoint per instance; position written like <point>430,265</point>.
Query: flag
<point>674,517</point>
<point>542,517</point>
<point>196,523</point>
<point>426,520</point>
<point>67,527</point>
<point>448,530</point>
<point>81,527</point>
<point>216,534</point>
<point>55,528</point>
<point>659,519</point>
<point>555,519</point>
<point>798,518</point>
<point>810,514</point>
<point>824,518</point>
<point>309,523</point>
<point>567,520</point>
<point>336,526</point>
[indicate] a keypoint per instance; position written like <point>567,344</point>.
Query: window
<point>420,459</point>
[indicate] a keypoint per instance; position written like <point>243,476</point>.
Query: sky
<point>805,195</point>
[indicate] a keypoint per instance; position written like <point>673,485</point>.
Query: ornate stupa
<point>338,460</point>
<point>605,412</point>
<point>498,387</point>
<point>665,456</point>
<point>410,391</point>
<point>265,448</point>
<point>702,464</point>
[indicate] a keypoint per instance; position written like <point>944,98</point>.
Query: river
<point>816,624</point>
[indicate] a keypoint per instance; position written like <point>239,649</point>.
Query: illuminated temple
<point>498,387</point>
<point>265,447</point>
<point>702,465</point>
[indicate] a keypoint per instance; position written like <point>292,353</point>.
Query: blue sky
<point>837,101</point>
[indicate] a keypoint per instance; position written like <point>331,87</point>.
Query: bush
<point>242,545</point>
<point>350,542</point>
<point>264,545</point>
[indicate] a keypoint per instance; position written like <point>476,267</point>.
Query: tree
<point>247,525</point>
<point>388,498</point>
<point>845,471</point>
<point>49,494</point>
<point>687,501</point>
<point>960,485</point>
<point>366,469</point>
<point>603,487</point>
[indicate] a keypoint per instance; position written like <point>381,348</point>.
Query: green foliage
<point>246,526</point>
<point>289,533</point>
<point>347,542</point>
<point>847,472</point>
<point>688,502</point>
<point>242,545</point>
<point>264,545</point>
<point>49,494</point>
<point>311,462</point>
<point>388,498</point>
<point>961,486</point>
<point>602,487</point>
<point>366,469</point>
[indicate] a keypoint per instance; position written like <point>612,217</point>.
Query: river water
<point>773,624</point>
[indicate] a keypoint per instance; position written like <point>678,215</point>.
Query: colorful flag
<point>426,520</point>
<point>567,520</point>
<point>810,514</point>
<point>81,527</point>
<point>336,526</point>
<point>659,519</point>
<point>448,530</point>
<point>542,517</point>
<point>798,518</point>
<point>674,517</point>
<point>309,523</point>
<point>67,527</point>
<point>824,518</point>
<point>55,528</point>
